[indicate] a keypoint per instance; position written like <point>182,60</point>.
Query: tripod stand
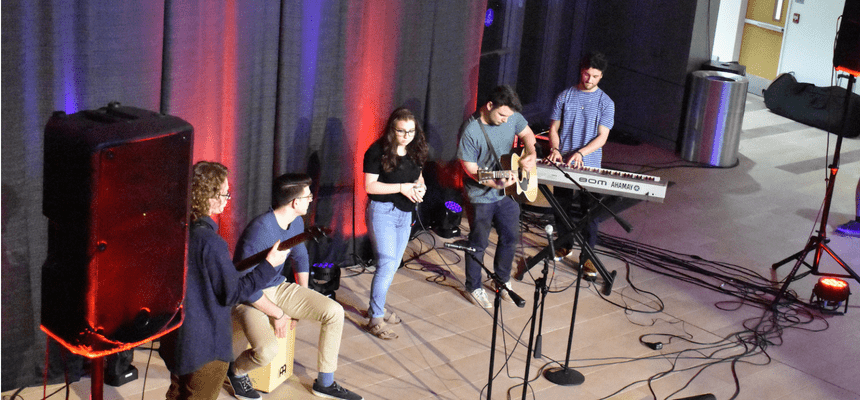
<point>818,243</point>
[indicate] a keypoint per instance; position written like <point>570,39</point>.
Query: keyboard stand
<point>608,278</point>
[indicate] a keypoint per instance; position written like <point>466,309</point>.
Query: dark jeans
<point>504,215</point>
<point>566,198</point>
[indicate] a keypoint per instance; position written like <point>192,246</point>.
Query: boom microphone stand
<point>818,243</point>
<point>497,304</point>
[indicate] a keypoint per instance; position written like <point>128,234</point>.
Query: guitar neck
<point>485,175</point>
<point>256,259</point>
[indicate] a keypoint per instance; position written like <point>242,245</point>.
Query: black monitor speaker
<point>846,55</point>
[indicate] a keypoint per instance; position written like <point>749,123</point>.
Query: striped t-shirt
<point>580,114</point>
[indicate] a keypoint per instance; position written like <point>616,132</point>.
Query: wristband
<point>555,149</point>
<point>283,314</point>
<point>580,153</point>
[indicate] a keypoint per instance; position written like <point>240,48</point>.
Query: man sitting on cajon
<point>282,303</point>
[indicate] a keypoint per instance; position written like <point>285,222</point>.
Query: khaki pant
<point>203,384</point>
<point>297,302</point>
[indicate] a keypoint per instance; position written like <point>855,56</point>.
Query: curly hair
<point>416,149</point>
<point>205,184</point>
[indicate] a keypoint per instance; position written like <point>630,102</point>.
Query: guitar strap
<point>490,144</point>
<point>492,151</point>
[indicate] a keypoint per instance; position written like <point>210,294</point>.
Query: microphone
<point>461,247</point>
<point>519,301</point>
<point>624,224</point>
<point>548,230</point>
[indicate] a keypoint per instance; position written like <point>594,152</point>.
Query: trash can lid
<point>720,76</point>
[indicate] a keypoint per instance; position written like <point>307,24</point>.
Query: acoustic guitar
<point>311,233</point>
<point>526,187</point>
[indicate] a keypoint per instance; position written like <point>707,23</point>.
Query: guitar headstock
<point>317,232</point>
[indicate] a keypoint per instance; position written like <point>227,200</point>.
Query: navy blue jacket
<point>213,287</point>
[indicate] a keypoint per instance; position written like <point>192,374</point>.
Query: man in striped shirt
<point>581,120</point>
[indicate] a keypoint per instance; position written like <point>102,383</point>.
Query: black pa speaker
<point>116,195</point>
<point>846,55</point>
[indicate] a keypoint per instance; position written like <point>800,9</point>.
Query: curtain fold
<point>269,87</point>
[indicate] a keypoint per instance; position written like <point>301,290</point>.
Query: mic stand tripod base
<point>564,376</point>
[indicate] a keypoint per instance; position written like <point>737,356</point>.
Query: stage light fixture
<point>489,17</point>
<point>325,278</point>
<point>829,293</point>
<point>449,223</point>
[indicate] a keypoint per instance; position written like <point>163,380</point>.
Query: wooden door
<point>761,42</point>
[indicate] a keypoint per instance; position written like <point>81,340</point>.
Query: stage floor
<point>749,217</point>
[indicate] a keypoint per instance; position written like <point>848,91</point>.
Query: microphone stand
<point>567,376</point>
<point>541,289</point>
<point>497,304</point>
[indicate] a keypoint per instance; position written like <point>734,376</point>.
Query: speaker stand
<point>818,243</point>
<point>97,373</point>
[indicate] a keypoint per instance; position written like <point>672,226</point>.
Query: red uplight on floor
<point>831,290</point>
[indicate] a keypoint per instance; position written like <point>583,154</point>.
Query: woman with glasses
<point>198,352</point>
<point>395,185</point>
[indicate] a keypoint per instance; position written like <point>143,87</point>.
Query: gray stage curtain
<point>264,83</point>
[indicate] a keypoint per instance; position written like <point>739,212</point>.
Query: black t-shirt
<point>407,171</point>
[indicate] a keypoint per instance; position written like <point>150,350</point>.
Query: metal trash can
<point>731,67</point>
<point>715,113</point>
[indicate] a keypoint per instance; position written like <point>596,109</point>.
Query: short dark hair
<point>288,187</point>
<point>594,60</point>
<point>505,95</point>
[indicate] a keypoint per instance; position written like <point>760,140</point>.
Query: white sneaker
<point>479,297</point>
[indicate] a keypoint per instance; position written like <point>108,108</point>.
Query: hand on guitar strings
<point>528,162</point>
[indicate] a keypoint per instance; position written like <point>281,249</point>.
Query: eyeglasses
<point>404,133</point>
<point>310,197</point>
<point>226,196</point>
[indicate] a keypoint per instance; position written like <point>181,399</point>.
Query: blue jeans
<point>504,215</point>
<point>389,231</point>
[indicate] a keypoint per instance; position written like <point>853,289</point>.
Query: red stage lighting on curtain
<point>373,45</point>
